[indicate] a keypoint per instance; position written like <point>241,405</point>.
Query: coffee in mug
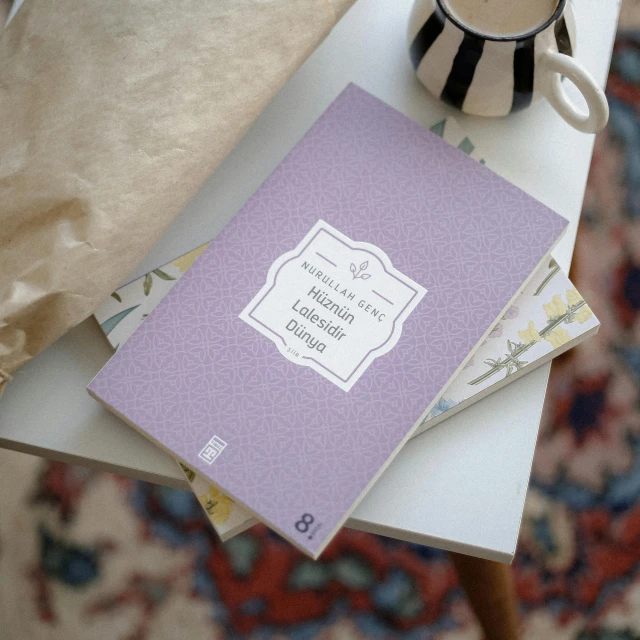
<point>502,17</point>
<point>495,57</point>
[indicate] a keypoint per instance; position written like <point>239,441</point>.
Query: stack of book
<point>379,281</point>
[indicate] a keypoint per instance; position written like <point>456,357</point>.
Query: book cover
<point>300,351</point>
<point>130,304</point>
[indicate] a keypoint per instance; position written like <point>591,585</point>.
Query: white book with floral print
<point>548,318</point>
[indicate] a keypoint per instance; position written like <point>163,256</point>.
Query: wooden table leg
<point>489,588</point>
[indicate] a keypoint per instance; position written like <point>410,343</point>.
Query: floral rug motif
<point>91,555</point>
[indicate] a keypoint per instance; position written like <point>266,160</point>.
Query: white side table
<point>460,486</point>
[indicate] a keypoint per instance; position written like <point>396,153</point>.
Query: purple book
<point>296,357</point>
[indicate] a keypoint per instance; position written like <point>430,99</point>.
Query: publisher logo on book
<point>212,449</point>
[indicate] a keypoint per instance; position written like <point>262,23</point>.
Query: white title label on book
<point>333,305</point>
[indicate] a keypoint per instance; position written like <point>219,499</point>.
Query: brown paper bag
<point>112,114</point>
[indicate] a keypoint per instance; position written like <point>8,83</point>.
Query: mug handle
<point>555,65</point>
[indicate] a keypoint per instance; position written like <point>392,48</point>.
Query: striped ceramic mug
<point>490,75</point>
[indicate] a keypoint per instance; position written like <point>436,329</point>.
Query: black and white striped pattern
<point>481,76</point>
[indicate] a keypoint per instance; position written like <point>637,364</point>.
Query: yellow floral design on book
<point>558,337</point>
<point>584,314</point>
<point>555,308</point>
<point>573,297</point>
<point>530,334</point>
<point>217,505</point>
<point>557,312</point>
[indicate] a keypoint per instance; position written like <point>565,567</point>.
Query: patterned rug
<point>87,555</point>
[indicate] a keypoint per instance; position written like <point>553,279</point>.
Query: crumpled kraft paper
<point>112,114</point>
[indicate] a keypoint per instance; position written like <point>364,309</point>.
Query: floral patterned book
<point>127,308</point>
<point>316,332</point>
<point>549,318</point>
